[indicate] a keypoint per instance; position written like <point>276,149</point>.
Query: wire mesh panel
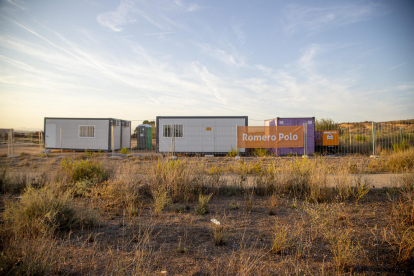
<point>211,136</point>
<point>374,138</point>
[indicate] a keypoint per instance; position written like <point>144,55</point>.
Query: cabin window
<point>176,130</point>
<point>86,131</point>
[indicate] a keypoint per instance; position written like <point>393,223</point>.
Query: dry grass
<point>295,222</point>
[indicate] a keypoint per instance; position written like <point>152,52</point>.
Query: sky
<point>350,61</point>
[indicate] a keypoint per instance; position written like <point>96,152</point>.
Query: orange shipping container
<point>330,138</point>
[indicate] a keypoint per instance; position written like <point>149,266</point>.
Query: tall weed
<point>202,207</point>
<point>161,200</point>
<point>80,170</point>
<point>402,161</point>
<point>43,211</point>
<point>178,178</point>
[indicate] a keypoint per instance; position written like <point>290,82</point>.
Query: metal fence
<point>17,143</point>
<point>357,138</point>
<point>375,138</point>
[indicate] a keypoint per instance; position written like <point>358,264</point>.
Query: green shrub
<point>233,152</point>
<point>116,194</point>
<point>177,178</point>
<point>281,240</point>
<point>28,256</point>
<point>124,151</point>
<point>361,138</point>
<point>161,200</point>
<point>261,152</point>
<point>42,211</point>
<point>81,170</point>
<point>3,180</point>
<point>132,210</point>
<point>344,250</point>
<point>215,170</point>
<point>234,206</point>
<point>88,153</point>
<point>402,146</point>
<point>202,207</point>
<point>219,233</point>
<point>402,161</point>
<point>245,168</point>
<point>83,187</point>
<point>180,208</point>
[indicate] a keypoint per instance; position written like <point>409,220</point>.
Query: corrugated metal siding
<point>126,137</point>
<point>220,137</point>
<point>117,136</point>
<point>70,134</point>
<point>296,122</point>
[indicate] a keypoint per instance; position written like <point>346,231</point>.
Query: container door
<point>142,137</point>
<point>286,122</point>
<point>310,139</point>
<point>209,136</point>
<point>50,135</point>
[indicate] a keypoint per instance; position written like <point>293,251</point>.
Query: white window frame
<point>166,129</point>
<point>79,131</point>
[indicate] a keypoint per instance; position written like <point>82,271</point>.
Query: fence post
<point>237,139</point>
<point>61,147</point>
<point>112,138</point>
<point>374,148</point>
<point>305,139</point>
<point>12,141</point>
<point>8,144</point>
<point>172,142</point>
<point>401,136</point>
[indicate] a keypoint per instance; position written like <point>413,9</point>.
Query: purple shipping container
<point>310,139</point>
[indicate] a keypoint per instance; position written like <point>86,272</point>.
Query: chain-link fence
<point>375,138</point>
<point>354,138</point>
<point>212,138</point>
<point>18,143</point>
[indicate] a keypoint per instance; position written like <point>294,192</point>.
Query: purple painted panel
<point>296,122</point>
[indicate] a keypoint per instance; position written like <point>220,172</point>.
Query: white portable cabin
<point>198,135</point>
<point>87,133</point>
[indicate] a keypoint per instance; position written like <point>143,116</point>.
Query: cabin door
<point>50,135</point>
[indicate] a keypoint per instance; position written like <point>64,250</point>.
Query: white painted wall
<point>197,139</point>
<point>117,136</point>
<point>70,134</point>
<point>126,137</point>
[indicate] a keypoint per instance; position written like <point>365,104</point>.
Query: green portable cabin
<point>144,137</point>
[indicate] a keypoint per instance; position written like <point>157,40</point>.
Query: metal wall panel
<point>200,134</point>
<point>126,137</point>
<point>117,136</point>
<point>295,122</point>
<point>70,133</point>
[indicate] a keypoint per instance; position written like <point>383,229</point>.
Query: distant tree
<point>325,124</point>
<point>146,122</point>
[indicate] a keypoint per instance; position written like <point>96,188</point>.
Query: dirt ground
<point>337,237</point>
<point>29,152</point>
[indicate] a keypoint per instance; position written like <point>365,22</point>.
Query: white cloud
<point>241,36</point>
<point>118,18</point>
<point>18,3</point>
<point>266,70</point>
<point>312,19</point>
<point>398,65</point>
<point>233,59</point>
<point>187,7</point>
<point>155,13</point>
<point>405,87</point>
<point>159,34</point>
